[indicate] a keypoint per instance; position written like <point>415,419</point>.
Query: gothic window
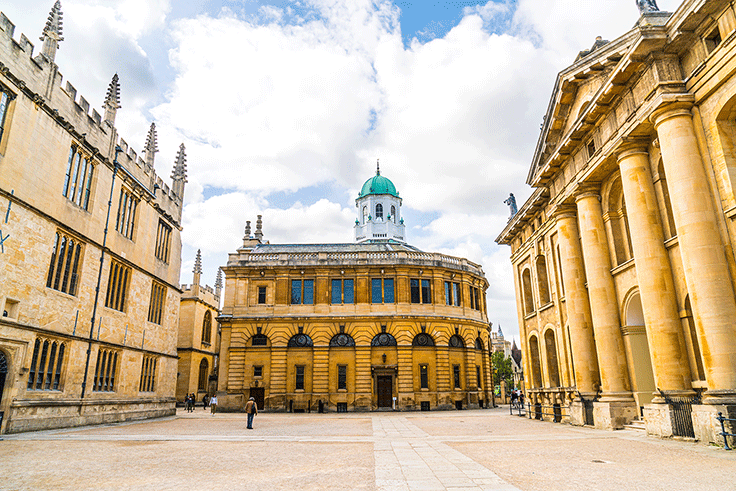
<point>156,305</point>
<point>3,372</point>
<point>207,327</point>
<point>383,339</point>
<point>127,205</point>
<point>46,364</point>
<point>5,98</point>
<point>342,340</point>
<point>423,339</point>
<point>365,214</point>
<point>163,241</point>
<point>343,291</point>
<point>148,374</point>
<point>204,368</point>
<point>300,340</point>
<point>379,210</point>
<point>78,179</point>
<point>302,292</point>
<point>456,342</point>
<point>259,340</point>
<point>117,286</point>
<point>105,368</point>
<point>66,256</point>
<point>393,213</point>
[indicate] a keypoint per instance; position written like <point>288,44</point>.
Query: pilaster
<point>363,396</point>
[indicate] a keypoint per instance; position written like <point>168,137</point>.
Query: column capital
<point>632,146</point>
<point>680,109</point>
<point>587,190</point>
<point>564,211</point>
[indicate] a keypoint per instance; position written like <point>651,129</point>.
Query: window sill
<point>206,344</point>
<point>546,306</point>
<point>299,391</point>
<point>424,389</point>
<point>530,315</point>
<point>342,390</point>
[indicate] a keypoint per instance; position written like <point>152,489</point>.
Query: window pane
<point>262,294</point>
<point>308,292</point>
<point>342,371</point>
<point>376,296</point>
<point>424,376</point>
<point>336,291</point>
<point>388,290</point>
<point>448,298</point>
<point>426,292</point>
<point>414,284</point>
<point>349,292</point>
<point>299,378</point>
<point>456,293</point>
<point>296,292</point>
<point>3,109</point>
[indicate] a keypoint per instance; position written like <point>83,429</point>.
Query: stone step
<point>637,424</point>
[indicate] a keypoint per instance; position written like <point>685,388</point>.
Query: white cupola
<point>379,211</point>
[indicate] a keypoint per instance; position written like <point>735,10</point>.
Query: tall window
<point>78,180</point>
<point>452,293</point>
<point>5,99</point>
<point>117,286</point>
<point>421,291</point>
<point>66,257</point>
<point>456,376</point>
<point>343,291</point>
<point>46,365</point>
<point>127,205</point>
<point>477,377</point>
<point>393,213</point>
<point>148,374</point>
<point>105,368</point>
<point>424,376</point>
<point>342,377</point>
<point>299,381</point>
<point>163,241</point>
<point>156,305</point>
<point>261,295</point>
<point>382,290</point>
<point>204,369</point>
<point>207,327</point>
<point>302,292</point>
<point>379,210</point>
<point>365,214</point>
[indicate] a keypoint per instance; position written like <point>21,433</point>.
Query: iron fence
<point>681,411</point>
<point>725,435</point>
<point>537,410</point>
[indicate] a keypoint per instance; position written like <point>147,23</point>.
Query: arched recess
<point>342,340</point>
<point>300,340</point>
<point>526,285</point>
<point>668,221</point>
<point>204,374</point>
<point>456,342</point>
<point>691,334</point>
<point>379,210</point>
<point>259,340</point>
<point>553,367</point>
<point>542,280</point>
<point>3,372</point>
<point>617,223</point>
<point>536,364</point>
<point>365,214</point>
<point>726,143</point>
<point>637,347</point>
<point>383,339</point>
<point>422,339</point>
<point>207,327</point>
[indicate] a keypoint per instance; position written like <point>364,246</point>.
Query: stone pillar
<point>702,249</point>
<point>617,406</point>
<point>585,358</point>
<point>654,272</point>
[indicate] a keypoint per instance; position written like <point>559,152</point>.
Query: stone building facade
<point>90,253</point>
<point>371,325</point>
<point>624,254</point>
<point>198,344</point>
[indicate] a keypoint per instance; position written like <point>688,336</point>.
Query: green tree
<point>502,370</point>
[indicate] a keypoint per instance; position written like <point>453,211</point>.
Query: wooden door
<point>384,387</point>
<point>258,394</point>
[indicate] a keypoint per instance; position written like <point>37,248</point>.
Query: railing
<point>725,435</point>
<point>518,407</point>
<point>537,410</point>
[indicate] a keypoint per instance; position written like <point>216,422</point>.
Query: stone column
<point>654,272</point>
<point>585,358</point>
<point>702,249</point>
<point>617,406</point>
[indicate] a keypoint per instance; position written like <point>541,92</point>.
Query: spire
<point>378,167</point>
<point>259,231</point>
<point>179,174</point>
<point>218,283</point>
<point>151,145</point>
<point>500,333</point>
<point>198,263</point>
<point>112,100</point>
<point>52,33</point>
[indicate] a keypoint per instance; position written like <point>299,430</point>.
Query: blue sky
<point>284,107</point>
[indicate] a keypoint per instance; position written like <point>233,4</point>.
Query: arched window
<point>259,340</point>
<point>536,365</point>
<point>207,327</point>
<point>526,283</point>
<point>365,214</point>
<point>342,340</point>
<point>479,344</point>
<point>393,213</point>
<point>552,366</point>
<point>204,372</point>
<point>379,210</point>
<point>456,342</point>
<point>300,340</point>
<point>383,339</point>
<point>542,281</point>
<point>423,339</point>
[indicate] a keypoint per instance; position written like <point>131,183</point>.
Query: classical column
<point>654,272</point>
<point>585,359</point>
<point>702,249</point>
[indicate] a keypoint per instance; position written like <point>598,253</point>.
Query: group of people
<point>517,397</point>
<point>207,400</point>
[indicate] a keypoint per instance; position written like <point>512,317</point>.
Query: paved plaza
<point>454,450</point>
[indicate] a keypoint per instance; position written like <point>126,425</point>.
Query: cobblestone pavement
<point>467,450</point>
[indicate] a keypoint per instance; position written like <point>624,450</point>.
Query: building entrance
<point>384,389</point>
<point>258,394</point>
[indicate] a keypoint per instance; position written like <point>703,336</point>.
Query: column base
<point>614,415</point>
<point>658,420</point>
<point>708,429</point>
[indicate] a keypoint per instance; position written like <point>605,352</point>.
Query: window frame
<point>302,291</point>
<point>342,377</point>
<point>157,302</point>
<point>118,283</point>
<point>78,179</point>
<point>47,364</point>
<point>457,383</point>
<point>424,376</point>
<point>342,291</point>
<point>104,380</point>
<point>125,223</point>
<point>162,246</point>
<point>299,376</point>
<point>63,274</point>
<point>6,99</point>
<point>262,295</point>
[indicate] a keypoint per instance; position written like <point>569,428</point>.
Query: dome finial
<point>378,167</point>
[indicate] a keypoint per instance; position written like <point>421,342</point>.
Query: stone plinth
<point>658,420</point>
<point>707,427</point>
<point>614,415</point>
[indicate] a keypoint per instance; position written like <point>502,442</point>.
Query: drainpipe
<point>99,273</point>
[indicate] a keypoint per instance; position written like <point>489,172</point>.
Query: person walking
<point>213,404</point>
<point>204,402</point>
<point>252,409</point>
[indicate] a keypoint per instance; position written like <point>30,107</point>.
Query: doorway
<point>258,394</point>
<point>384,389</point>
<point>3,373</point>
<point>636,343</point>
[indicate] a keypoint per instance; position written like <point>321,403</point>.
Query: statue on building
<point>511,201</point>
<point>647,6</point>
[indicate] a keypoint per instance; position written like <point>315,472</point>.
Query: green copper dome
<point>378,185</point>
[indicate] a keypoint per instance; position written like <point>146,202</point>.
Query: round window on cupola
<point>379,210</point>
